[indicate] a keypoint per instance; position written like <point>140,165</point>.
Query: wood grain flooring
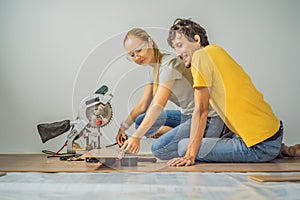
<point>40,163</point>
<point>276,178</point>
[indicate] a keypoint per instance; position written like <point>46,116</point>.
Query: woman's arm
<point>160,100</point>
<point>141,107</point>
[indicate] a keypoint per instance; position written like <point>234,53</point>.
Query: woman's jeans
<point>233,149</point>
<point>166,146</point>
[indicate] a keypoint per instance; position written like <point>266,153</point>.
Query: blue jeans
<point>233,149</point>
<point>166,146</point>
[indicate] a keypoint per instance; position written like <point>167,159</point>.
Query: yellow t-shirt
<point>233,95</point>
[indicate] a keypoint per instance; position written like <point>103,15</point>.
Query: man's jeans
<point>233,149</point>
<point>166,146</point>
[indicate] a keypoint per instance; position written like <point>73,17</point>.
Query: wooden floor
<point>276,178</point>
<point>40,163</point>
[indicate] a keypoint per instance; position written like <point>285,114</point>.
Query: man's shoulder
<point>212,47</point>
<point>207,50</point>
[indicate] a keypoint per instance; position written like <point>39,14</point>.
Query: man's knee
<point>214,127</point>
<point>182,146</point>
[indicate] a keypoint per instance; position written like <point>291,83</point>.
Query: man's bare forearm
<point>196,134</point>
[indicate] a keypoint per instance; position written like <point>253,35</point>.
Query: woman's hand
<point>181,161</point>
<point>132,145</point>
<point>121,137</point>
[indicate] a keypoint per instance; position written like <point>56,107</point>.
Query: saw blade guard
<point>96,110</point>
<point>99,115</point>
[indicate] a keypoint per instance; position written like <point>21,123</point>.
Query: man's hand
<point>182,161</point>
<point>132,145</point>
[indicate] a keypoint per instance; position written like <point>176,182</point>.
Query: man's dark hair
<point>189,29</point>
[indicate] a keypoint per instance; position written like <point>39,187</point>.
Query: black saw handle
<point>102,90</point>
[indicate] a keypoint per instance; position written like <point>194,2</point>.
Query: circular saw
<point>95,112</point>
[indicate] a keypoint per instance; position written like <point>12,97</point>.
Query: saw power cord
<point>57,153</point>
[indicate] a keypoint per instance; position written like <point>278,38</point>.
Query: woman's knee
<point>164,154</point>
<point>139,120</point>
<point>161,151</point>
<point>158,153</point>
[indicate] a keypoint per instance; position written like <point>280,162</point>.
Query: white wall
<point>54,52</point>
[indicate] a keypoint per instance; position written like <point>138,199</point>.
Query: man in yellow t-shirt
<point>255,133</point>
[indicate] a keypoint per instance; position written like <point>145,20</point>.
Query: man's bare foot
<point>291,151</point>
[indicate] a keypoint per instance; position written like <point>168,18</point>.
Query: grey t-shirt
<point>182,92</point>
<point>172,68</point>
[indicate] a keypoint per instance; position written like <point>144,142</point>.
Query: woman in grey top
<point>169,80</point>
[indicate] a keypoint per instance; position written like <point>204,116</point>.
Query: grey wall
<point>53,53</point>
